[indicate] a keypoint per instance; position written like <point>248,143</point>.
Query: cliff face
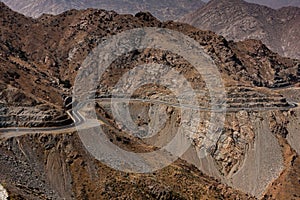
<point>40,59</point>
<point>239,20</point>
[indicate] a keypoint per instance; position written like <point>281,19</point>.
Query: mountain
<point>164,10</point>
<point>39,62</point>
<point>276,4</point>
<point>239,20</point>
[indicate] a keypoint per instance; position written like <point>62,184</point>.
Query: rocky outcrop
<point>3,193</point>
<point>39,116</point>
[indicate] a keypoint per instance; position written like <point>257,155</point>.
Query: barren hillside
<point>39,62</point>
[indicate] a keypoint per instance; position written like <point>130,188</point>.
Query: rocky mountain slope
<point>45,62</point>
<point>239,20</point>
<point>276,4</point>
<point>40,59</point>
<point>59,167</point>
<point>164,10</point>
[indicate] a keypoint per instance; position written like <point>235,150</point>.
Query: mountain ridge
<point>164,10</point>
<point>240,20</point>
<point>275,4</point>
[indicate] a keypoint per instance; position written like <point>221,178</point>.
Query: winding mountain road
<point>80,122</point>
